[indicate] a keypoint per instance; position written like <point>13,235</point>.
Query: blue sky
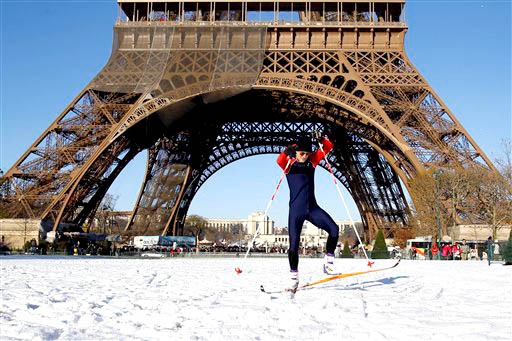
<point>50,50</point>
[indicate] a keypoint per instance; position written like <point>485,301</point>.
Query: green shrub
<point>380,250</point>
<point>346,250</point>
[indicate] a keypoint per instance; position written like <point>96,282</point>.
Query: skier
<point>300,175</point>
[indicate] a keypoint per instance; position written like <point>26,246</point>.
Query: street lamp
<point>438,213</point>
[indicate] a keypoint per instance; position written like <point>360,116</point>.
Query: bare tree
<point>494,198</point>
<point>505,161</point>
<point>458,188</point>
<point>426,205</point>
<point>449,197</point>
<point>492,192</point>
<point>195,225</point>
<point>441,197</point>
<point>105,214</point>
<point>401,234</point>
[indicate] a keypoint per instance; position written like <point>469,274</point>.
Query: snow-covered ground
<point>57,298</point>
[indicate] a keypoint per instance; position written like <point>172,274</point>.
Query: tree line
<point>463,195</point>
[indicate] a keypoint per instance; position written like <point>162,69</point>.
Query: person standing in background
<point>456,251</point>
<point>464,250</point>
<point>489,247</point>
<point>434,249</point>
<point>446,252</point>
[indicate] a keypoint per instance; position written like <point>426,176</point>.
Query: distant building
<point>259,220</point>
<point>479,232</point>
<point>247,226</point>
<point>235,226</point>
<point>16,232</point>
<point>311,235</point>
<point>276,236</point>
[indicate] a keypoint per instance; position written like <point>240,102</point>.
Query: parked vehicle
<point>154,242</point>
<point>152,254</point>
<point>418,247</point>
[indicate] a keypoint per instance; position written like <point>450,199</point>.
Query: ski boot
<point>293,283</point>
<point>329,267</point>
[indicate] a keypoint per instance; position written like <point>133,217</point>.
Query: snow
<point>83,298</point>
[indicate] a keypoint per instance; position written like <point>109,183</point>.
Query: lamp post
<point>438,213</point>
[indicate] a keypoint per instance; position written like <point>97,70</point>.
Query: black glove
<point>290,151</point>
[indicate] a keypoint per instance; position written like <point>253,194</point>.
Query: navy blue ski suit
<point>303,205</point>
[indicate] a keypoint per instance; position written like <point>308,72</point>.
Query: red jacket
<point>456,250</point>
<point>315,157</point>
<point>434,249</point>
<point>447,250</point>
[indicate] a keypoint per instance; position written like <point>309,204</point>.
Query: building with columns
<point>247,226</point>
<point>311,235</point>
<point>271,235</point>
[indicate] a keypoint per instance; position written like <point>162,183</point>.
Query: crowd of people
<point>461,251</point>
<point>453,251</point>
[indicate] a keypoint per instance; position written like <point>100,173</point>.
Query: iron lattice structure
<point>201,84</point>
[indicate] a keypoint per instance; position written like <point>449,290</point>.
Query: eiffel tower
<point>201,84</point>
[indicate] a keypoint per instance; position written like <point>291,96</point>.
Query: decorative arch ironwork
<point>275,119</point>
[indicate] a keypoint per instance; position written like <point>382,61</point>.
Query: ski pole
<point>249,247</point>
<point>345,204</point>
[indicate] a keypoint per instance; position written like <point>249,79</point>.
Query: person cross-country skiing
<point>300,175</point>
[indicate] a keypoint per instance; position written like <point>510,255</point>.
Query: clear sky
<point>50,50</point>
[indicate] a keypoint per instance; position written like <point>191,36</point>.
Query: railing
<point>281,23</point>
